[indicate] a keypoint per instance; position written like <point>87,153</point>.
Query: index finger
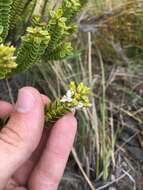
<point>5,109</point>
<point>50,168</point>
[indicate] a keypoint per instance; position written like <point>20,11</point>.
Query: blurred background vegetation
<point>108,57</point>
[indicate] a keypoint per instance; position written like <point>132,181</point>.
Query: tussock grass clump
<point>102,61</point>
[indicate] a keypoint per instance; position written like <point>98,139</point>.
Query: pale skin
<point>33,157</point>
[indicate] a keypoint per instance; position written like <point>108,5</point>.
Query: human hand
<point>31,156</point>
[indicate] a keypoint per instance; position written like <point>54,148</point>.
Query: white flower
<point>69,94</point>
<point>67,97</point>
<point>14,57</point>
<point>64,99</point>
<point>79,106</point>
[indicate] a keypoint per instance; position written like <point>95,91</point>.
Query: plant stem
<point>9,92</point>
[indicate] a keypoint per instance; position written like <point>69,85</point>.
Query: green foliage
<point>42,39</point>
<point>70,8</point>
<point>58,31</point>
<point>32,48</point>
<point>54,111</point>
<point>61,51</point>
<point>75,98</point>
<point>59,28</point>
<point>7,63</point>
<point>4,17</point>
<point>16,12</point>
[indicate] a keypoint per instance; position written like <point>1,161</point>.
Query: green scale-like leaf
<point>16,11</point>
<point>7,63</point>
<point>62,51</point>
<point>70,9</point>
<point>54,111</point>
<point>5,7</point>
<point>57,29</point>
<point>27,55</point>
<point>32,48</point>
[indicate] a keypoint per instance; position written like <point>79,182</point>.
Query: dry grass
<point>102,62</point>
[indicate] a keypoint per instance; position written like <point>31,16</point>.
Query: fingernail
<point>25,101</point>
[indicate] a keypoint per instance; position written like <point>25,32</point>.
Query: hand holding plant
<point>34,156</point>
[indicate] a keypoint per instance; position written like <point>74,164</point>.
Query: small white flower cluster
<point>69,98</point>
<point>79,106</point>
<point>14,58</point>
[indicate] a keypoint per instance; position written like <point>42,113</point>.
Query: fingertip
<point>45,99</point>
<point>32,90</point>
<point>28,98</point>
<point>66,127</point>
<point>68,120</point>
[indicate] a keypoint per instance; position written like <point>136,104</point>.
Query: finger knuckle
<point>11,137</point>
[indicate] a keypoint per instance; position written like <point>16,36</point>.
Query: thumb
<point>20,137</point>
